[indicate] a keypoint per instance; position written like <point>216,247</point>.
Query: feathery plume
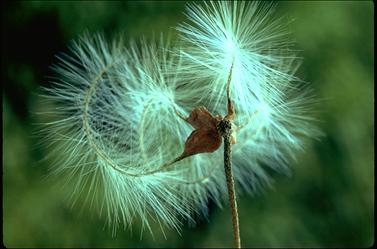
<point>241,40</point>
<point>121,113</point>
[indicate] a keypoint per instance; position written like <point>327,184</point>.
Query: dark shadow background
<point>327,202</point>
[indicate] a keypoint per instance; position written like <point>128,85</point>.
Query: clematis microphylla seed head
<point>244,41</point>
<point>243,34</point>
<point>114,121</point>
<point>116,125</point>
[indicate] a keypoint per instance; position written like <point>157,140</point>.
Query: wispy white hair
<point>241,40</point>
<point>116,125</point>
<point>116,110</point>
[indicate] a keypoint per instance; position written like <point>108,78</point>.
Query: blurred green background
<point>327,202</point>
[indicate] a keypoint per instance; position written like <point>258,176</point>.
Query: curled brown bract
<point>206,137</point>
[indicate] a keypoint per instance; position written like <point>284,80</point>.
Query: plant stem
<point>226,131</point>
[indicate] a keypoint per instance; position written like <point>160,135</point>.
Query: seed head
<point>119,112</point>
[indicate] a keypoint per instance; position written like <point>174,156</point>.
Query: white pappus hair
<point>273,107</point>
<point>116,123</point>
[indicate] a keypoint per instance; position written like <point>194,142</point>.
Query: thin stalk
<point>225,129</point>
<point>231,191</point>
